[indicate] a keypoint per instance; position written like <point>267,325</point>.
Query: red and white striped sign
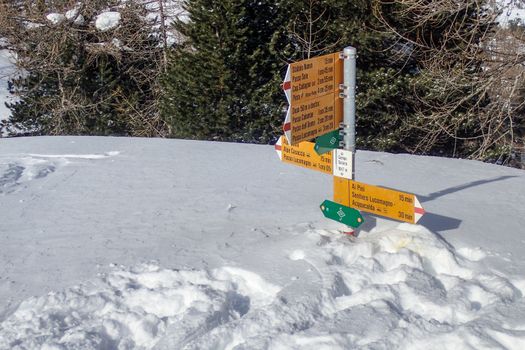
<point>287,84</point>
<point>418,210</point>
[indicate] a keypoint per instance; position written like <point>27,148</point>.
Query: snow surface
<point>173,10</point>
<point>123,243</point>
<point>511,10</point>
<point>107,20</point>
<point>56,18</point>
<point>7,71</point>
<point>75,16</point>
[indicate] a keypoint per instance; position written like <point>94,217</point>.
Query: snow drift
<point>112,243</point>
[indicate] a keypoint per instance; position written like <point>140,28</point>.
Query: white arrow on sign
<point>287,87</point>
<point>287,84</point>
<point>287,126</point>
<point>279,148</point>
<point>418,210</point>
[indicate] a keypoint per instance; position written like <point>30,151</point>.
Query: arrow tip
<point>278,148</point>
<point>418,210</point>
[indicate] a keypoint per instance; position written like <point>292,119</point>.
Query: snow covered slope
<point>121,243</point>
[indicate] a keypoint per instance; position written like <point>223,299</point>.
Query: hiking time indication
<point>303,155</point>
<point>381,201</point>
<point>312,89</point>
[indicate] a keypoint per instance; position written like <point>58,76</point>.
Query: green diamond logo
<point>340,213</point>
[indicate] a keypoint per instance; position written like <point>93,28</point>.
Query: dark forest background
<point>438,77</point>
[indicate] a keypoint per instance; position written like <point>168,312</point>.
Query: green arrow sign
<point>327,142</point>
<point>340,213</point>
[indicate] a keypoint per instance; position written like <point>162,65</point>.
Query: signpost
<point>304,155</point>
<point>312,89</point>
<point>317,109</point>
<point>327,142</point>
<point>341,213</point>
<point>338,162</point>
<point>381,201</point>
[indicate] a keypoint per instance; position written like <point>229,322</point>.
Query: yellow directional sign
<point>312,89</point>
<point>304,155</point>
<point>381,201</point>
<point>315,77</point>
<point>312,118</point>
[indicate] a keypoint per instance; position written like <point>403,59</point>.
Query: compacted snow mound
<point>134,309</point>
<point>401,288</point>
<point>244,258</point>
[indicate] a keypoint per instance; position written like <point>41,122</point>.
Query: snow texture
<point>56,18</point>
<point>75,16</point>
<point>136,308</point>
<point>121,243</point>
<point>107,20</point>
<point>7,72</point>
<point>511,10</point>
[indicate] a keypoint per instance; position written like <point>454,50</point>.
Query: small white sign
<point>343,163</point>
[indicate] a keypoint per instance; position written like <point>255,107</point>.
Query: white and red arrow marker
<point>287,87</point>
<point>279,149</point>
<point>287,126</point>
<point>418,210</point>
<point>287,84</point>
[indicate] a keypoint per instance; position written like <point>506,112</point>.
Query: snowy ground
<point>7,69</point>
<point>511,10</point>
<point>121,243</point>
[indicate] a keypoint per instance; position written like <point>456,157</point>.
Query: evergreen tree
<point>315,27</point>
<point>216,86</point>
<point>225,81</point>
<point>419,65</point>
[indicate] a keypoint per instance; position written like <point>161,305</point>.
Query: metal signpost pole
<point>349,71</point>
<point>348,95</point>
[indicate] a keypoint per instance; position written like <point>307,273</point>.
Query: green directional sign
<point>327,142</point>
<point>341,213</point>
